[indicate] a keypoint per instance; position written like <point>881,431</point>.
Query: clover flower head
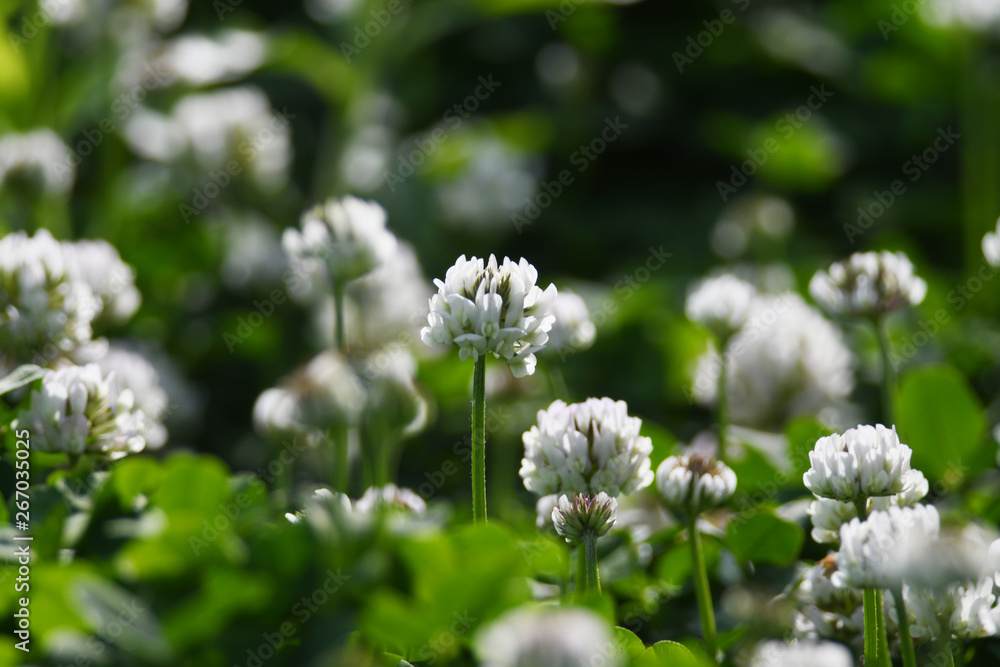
<point>776,653</point>
<point>786,360</point>
<point>317,397</point>
<point>829,515</point>
<point>572,330</point>
<point>78,410</point>
<point>967,610</point>
<point>991,246</point>
<point>111,280</point>
<point>40,156</point>
<point>586,448</point>
<point>543,512</point>
<point>349,235</point>
<point>862,462</point>
<point>43,302</point>
<point>694,483</point>
<point>875,553</point>
<point>547,637</point>
<point>822,609</point>
<point>722,304</point>
<point>574,518</point>
<point>392,399</point>
<point>390,497</point>
<point>868,284</point>
<point>486,307</point>
<point>136,373</point>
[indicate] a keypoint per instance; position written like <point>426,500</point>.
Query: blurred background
<point>624,148</point>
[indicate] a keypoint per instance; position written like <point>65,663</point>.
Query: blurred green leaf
<point>763,537</point>
<point>941,419</point>
<point>667,654</point>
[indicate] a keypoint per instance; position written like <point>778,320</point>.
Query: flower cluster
<point>594,515</point>
<point>485,307</point>
<point>586,448</point>
<point>829,515</point>
<point>79,410</point>
<point>547,637</point>
<point>868,284</point>
<point>694,483</point>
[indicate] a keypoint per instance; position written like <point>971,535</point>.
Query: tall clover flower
<point>722,305</point>
<point>78,410</point>
<point>350,237</point>
<point>488,308</point>
<point>870,285</point>
<point>862,463</point>
<point>689,485</point>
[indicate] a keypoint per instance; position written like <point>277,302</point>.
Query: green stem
<point>721,404</point>
<point>884,658</point>
<point>592,582</point>
<point>871,627</point>
<point>338,307</point>
<point>905,640</point>
<point>581,570</point>
<point>888,372</point>
<point>701,589</point>
<point>479,441</point>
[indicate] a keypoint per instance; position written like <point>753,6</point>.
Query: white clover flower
<point>868,284</point>
<point>215,128</point>
<point>775,653</point>
<point>572,330</point>
<point>574,518</point>
<point>586,448</point>
<point>78,410</point>
<point>110,279</point>
<point>722,304</point>
<point>200,60</point>
<point>863,462</point>
<point>967,611</point>
<point>485,308</point>
<point>349,235</point>
<point>319,396</point>
<point>991,246</point>
<point>547,637</point>
<point>45,308</point>
<point>392,402</point>
<point>135,373</point>
<point>391,497</point>
<point>786,360</point>
<point>39,155</point>
<point>875,553</point>
<point>822,609</point>
<point>993,561</point>
<point>694,483</point>
<point>829,515</point>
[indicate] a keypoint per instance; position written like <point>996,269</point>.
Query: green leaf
<point>762,537</point>
<point>940,418</point>
<point>802,434</point>
<point>667,654</point>
<point>21,376</point>
<point>630,645</point>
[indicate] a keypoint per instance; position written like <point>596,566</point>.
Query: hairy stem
<point>701,589</point>
<point>905,640</point>
<point>479,441</point>
<point>592,582</point>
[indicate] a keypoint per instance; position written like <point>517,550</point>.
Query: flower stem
<point>721,405</point>
<point>888,372</point>
<point>905,640</point>
<point>592,582</point>
<point>581,570</point>
<point>871,627</point>
<point>338,308</point>
<point>479,440</point>
<point>884,658</point>
<point>701,589</point>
